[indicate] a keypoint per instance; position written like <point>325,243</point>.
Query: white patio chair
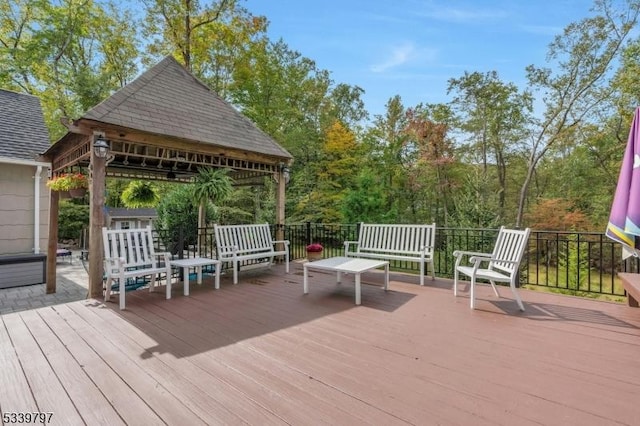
<point>499,266</point>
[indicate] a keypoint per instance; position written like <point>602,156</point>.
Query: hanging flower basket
<point>68,181</point>
<point>77,192</point>
<point>314,252</point>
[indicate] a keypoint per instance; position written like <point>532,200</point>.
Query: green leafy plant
<point>67,181</point>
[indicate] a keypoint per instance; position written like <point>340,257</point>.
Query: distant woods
<point>485,158</point>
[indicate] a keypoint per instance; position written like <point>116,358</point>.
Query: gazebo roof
<point>168,119</point>
<point>168,100</point>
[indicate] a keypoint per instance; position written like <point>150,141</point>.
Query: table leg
<point>338,277</point>
<point>199,269</point>
<point>186,280</point>
<point>386,277</point>
<point>305,281</point>
<point>357,289</point>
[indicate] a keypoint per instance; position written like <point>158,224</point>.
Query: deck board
<point>262,352</point>
<point>131,408</point>
<point>84,394</point>
<point>18,395</point>
<point>44,383</point>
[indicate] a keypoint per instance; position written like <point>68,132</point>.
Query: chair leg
<point>517,296</point>
<point>473,292</point>
<point>421,273</point>
<point>433,270</point>
<point>455,282</point>
<point>235,272</point>
<point>107,290</point>
<point>154,278</point>
<point>495,288</point>
<point>121,282</point>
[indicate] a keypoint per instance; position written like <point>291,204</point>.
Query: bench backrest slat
<point>393,238</point>
<point>247,238</point>
<point>510,246</point>
<point>134,245</point>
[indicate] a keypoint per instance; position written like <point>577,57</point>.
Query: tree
<point>338,169</point>
<point>384,145</point>
<point>495,116</point>
<point>178,24</point>
<point>177,214</point>
<point>584,54</point>
<point>366,201</point>
<point>69,53</point>
<point>433,153</point>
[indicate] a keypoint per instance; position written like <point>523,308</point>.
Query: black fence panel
<point>580,263</point>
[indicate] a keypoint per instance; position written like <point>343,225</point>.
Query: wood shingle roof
<point>23,134</point>
<point>168,100</point>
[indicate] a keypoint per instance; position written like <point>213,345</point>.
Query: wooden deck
<point>262,353</point>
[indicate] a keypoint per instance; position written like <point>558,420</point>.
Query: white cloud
<point>464,15</point>
<point>401,55</point>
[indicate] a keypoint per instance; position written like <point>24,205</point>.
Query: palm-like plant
<point>211,185</point>
<point>139,194</point>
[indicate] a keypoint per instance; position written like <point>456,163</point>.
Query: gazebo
<point>162,126</point>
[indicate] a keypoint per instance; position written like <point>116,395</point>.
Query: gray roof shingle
<point>23,134</point>
<point>168,100</point>
<point>124,212</point>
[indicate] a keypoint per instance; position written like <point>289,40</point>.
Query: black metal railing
<point>580,263</point>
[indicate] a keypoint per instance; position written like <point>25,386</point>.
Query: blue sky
<point>412,48</point>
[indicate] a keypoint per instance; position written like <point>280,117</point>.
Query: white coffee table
<point>351,265</point>
<point>197,263</point>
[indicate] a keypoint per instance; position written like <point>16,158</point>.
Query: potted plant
<point>314,252</point>
<point>75,183</point>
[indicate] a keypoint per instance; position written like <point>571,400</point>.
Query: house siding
<point>17,205</point>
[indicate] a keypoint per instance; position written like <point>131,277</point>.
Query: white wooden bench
<point>237,243</point>
<point>412,243</point>
<point>129,255</point>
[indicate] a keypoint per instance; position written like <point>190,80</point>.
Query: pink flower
<point>315,248</point>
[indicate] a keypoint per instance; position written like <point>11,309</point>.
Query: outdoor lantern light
<point>286,173</point>
<point>101,147</point>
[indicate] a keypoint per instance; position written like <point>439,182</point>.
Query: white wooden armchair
<point>499,266</point>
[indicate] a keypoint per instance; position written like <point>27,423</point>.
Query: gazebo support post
<point>96,222</point>
<point>280,198</point>
<point>52,245</point>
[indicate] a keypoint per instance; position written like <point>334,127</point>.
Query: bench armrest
<point>426,249</point>
<point>115,260</point>
<point>226,249</point>
<point>346,246</point>
<point>460,254</point>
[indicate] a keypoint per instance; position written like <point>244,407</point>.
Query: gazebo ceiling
<point>164,126</point>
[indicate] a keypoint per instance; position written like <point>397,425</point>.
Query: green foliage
<point>139,194</point>
<point>475,205</point>
<point>477,161</point>
<point>70,53</point>
<point>213,185</point>
<point>67,181</point>
<point>575,263</point>
<point>366,201</point>
<point>177,210</point>
<point>72,219</point>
